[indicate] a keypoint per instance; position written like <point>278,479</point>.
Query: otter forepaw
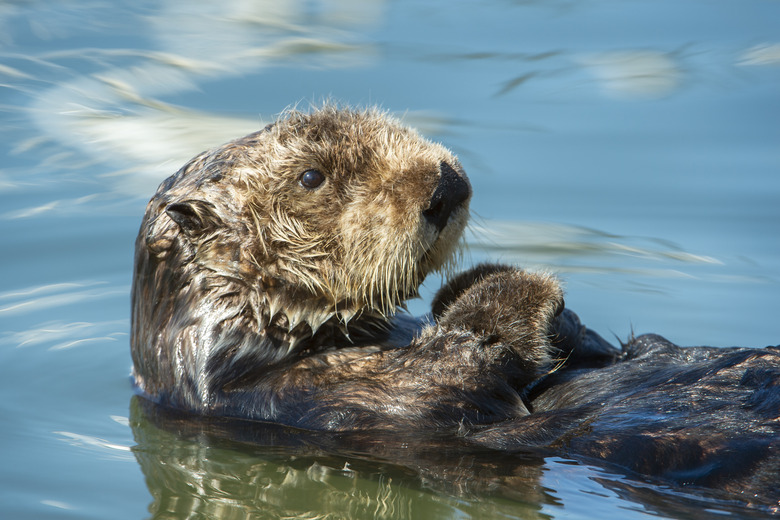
<point>456,286</point>
<point>513,308</point>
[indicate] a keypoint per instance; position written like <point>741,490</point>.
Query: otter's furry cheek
<point>382,255</point>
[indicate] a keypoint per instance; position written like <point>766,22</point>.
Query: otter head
<point>321,222</point>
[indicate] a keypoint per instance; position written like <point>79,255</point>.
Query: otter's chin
<point>444,253</point>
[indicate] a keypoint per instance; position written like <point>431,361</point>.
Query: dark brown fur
<point>259,297</point>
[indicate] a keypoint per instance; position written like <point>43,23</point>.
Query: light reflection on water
<point>630,147</point>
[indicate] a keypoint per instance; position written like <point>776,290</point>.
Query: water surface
<point>631,147</point>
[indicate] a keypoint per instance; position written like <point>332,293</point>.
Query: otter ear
<point>193,217</point>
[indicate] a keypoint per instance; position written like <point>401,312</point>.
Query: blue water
<point>631,147</point>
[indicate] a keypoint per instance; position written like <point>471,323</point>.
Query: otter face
<point>333,214</point>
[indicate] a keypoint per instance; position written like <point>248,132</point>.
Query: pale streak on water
<point>57,295</point>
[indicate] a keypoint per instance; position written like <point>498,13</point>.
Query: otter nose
<point>452,191</point>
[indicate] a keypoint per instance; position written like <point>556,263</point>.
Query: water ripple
<point>60,335</point>
<point>41,297</point>
<point>546,242</point>
<point>108,448</point>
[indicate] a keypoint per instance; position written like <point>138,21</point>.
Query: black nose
<point>452,191</point>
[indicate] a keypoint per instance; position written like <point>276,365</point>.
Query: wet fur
<point>257,298</point>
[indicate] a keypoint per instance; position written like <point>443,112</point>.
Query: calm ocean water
<point>631,147</point>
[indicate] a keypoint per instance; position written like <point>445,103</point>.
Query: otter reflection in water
<point>213,467</point>
<point>267,276</point>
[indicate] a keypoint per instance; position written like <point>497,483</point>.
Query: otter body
<point>268,273</point>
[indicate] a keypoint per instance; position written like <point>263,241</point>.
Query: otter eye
<point>311,179</point>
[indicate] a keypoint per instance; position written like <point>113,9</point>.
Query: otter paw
<point>456,286</point>
<point>512,308</point>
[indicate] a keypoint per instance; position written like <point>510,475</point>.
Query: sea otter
<point>269,272</point>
